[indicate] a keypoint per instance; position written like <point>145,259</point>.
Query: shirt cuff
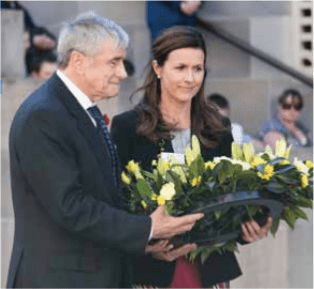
<point>151,232</point>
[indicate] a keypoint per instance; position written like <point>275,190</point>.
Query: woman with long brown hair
<point>172,109</point>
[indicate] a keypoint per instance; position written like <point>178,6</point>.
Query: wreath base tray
<point>269,202</point>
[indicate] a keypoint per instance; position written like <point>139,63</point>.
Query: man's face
<point>103,73</point>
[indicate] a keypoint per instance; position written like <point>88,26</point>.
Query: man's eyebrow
<point>116,58</point>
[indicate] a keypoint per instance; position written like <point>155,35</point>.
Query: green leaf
<point>275,187</point>
<point>298,212</point>
<point>285,169</point>
<point>289,217</point>
<point>275,225</point>
<point>231,246</point>
<point>276,161</point>
<point>143,188</point>
<point>217,214</point>
<point>148,175</point>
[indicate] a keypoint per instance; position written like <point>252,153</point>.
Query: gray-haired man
<point>70,228</point>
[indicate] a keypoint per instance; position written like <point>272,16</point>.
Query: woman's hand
<point>173,254</point>
<point>251,231</point>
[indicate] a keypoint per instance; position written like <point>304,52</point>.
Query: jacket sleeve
<point>48,163</point>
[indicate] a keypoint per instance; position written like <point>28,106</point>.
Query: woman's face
<point>290,110</point>
<point>182,74</point>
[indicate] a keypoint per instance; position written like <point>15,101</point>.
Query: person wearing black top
<point>172,109</point>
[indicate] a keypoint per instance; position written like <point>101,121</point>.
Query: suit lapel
<point>84,123</point>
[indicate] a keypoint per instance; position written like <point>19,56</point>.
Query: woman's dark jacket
<point>217,268</point>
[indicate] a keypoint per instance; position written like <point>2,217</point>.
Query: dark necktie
<point>96,114</point>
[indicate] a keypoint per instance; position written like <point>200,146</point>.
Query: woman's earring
<point>158,76</point>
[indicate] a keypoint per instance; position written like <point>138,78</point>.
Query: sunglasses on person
<point>296,106</point>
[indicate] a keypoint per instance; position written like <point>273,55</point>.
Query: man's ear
<point>78,61</point>
<point>156,68</point>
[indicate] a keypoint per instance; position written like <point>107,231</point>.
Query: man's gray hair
<point>85,33</point>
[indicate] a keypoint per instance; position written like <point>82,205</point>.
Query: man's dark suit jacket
<point>70,229</point>
<point>217,268</point>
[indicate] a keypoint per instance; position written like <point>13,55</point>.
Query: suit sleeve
<point>49,163</point>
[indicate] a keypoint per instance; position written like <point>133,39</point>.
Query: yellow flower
<point>287,152</point>
<point>125,178</point>
<point>132,167</point>
<point>280,148</point>
<point>154,197</point>
<point>178,169</point>
<point>196,149</point>
<point>236,151</point>
<point>167,191</point>
<point>166,165</point>
<point>161,200</point>
<point>309,164</point>
<point>284,162</point>
<point>268,172</point>
<point>163,166</point>
<point>304,181</point>
<point>210,165</point>
<point>269,151</point>
<point>144,204</point>
<point>248,151</point>
<point>196,181</point>
<point>188,156</point>
<point>257,161</point>
<point>269,169</point>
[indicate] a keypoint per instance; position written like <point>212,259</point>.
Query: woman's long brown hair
<point>206,121</point>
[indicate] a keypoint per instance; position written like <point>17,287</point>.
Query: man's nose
<point>121,72</point>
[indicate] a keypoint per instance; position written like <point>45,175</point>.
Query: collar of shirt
<point>80,96</point>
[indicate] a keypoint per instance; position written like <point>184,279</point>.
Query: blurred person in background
<point>41,64</point>
<point>285,122</point>
<point>238,133</point>
<point>34,35</point>
<point>172,109</point>
<point>223,107</point>
<point>164,14</point>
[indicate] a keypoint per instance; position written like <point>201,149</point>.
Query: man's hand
<point>252,232</point>
<point>160,246</point>
<point>165,226</point>
<point>172,255</point>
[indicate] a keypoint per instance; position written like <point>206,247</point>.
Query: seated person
<point>41,64</point>
<point>222,105</point>
<point>34,36</point>
<point>285,122</point>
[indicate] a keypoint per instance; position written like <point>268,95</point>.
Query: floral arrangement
<point>184,188</point>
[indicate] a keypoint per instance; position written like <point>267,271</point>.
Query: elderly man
<point>70,226</point>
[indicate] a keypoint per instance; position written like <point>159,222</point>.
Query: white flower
<point>218,159</point>
<point>245,166</point>
<point>301,167</point>
<point>167,191</point>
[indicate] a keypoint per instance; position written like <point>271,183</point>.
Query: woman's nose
<point>189,76</point>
